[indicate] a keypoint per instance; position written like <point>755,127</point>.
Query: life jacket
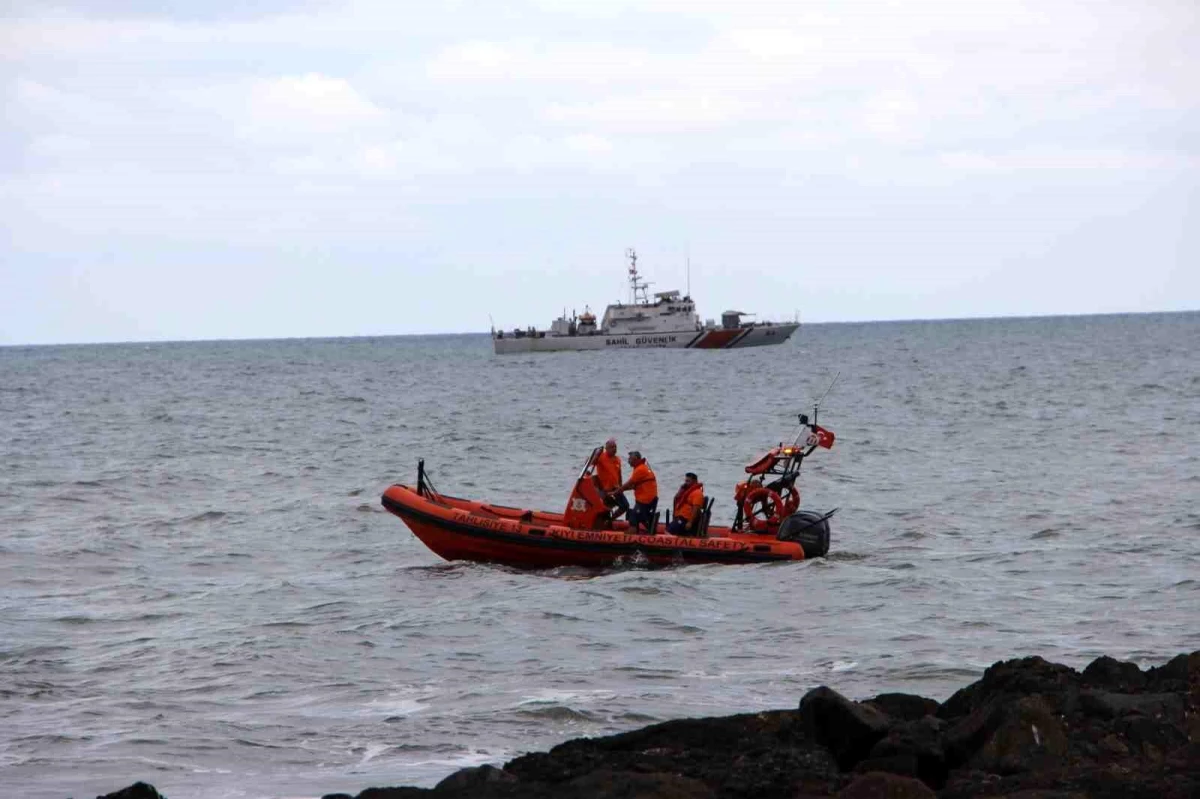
<point>689,500</point>
<point>608,471</point>
<point>645,484</point>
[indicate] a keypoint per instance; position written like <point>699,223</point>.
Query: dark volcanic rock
<point>474,778</point>
<point>139,790</point>
<point>903,707</point>
<point>911,748</point>
<point>886,786</point>
<point>848,728</point>
<point>762,754</point>
<point>1014,678</point>
<point>1028,729</point>
<point>1109,673</point>
<point>605,784</point>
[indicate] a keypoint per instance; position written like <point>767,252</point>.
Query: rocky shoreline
<point>1028,728</point>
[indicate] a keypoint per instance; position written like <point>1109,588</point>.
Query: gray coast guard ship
<point>668,320</point>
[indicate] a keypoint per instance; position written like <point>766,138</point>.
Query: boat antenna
<point>817,404</point>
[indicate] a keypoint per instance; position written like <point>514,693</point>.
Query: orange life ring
<point>777,512</point>
<point>791,502</point>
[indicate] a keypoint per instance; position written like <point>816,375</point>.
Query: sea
<point>199,588</point>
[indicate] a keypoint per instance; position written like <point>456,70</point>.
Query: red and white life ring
<point>763,495</point>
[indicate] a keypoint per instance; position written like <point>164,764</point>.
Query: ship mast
<point>636,284</point>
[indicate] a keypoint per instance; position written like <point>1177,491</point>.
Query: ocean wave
<point>557,713</point>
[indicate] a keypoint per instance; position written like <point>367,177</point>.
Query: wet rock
<point>762,754</point>
<point>1110,705</point>
<point>914,749</point>
<point>1152,735</point>
<point>139,790</point>
<point>1178,674</point>
<point>1006,736</point>
<point>903,707</point>
<point>605,784</point>
<point>1027,737</point>
<point>1108,672</point>
<point>1187,756</point>
<point>886,786</point>
<point>474,779</point>
<point>1113,745</point>
<point>1023,677</point>
<point>849,729</point>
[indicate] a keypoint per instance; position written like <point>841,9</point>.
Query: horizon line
<point>905,320</point>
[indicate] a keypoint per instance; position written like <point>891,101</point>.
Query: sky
<point>260,169</point>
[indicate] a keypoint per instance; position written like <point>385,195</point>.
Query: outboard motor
<point>809,529</point>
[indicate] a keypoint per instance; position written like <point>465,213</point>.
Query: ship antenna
<point>689,272</point>
<point>636,285</point>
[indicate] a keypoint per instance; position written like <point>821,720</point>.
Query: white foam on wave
<point>373,750</point>
<point>551,696</point>
<point>466,760</point>
<point>398,706</point>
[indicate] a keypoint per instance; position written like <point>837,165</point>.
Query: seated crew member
<point>645,493</point>
<point>689,504</point>
<point>608,475</point>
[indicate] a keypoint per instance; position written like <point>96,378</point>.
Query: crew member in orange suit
<point>608,475</point>
<point>689,503</point>
<point>645,493</point>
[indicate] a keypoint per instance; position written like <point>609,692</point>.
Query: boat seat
<point>701,528</point>
<point>651,526</point>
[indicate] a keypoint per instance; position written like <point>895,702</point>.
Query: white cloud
<point>42,105</point>
<point>531,63</point>
<point>589,143</point>
<point>60,145</point>
<point>1050,159</point>
<point>316,124</point>
<point>653,112</point>
<point>290,109</point>
<point>894,116</point>
<point>312,97</point>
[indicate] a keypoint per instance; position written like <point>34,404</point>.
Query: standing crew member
<point>645,493</point>
<point>689,504</point>
<point>608,475</point>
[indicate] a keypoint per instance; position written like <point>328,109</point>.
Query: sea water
<point>199,588</point>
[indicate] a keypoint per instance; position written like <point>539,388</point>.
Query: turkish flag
<point>824,437</point>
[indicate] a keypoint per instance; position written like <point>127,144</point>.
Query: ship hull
<point>720,338</point>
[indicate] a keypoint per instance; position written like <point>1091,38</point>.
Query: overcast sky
<point>191,170</point>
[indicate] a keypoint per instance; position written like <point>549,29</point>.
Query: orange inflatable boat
<point>768,526</point>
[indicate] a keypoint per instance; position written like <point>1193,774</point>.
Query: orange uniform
<point>645,484</point>
<point>608,471</point>
<point>689,501</point>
